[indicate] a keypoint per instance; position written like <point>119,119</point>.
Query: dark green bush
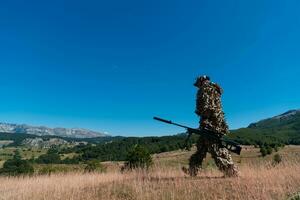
<point>94,166</point>
<point>138,157</point>
<point>269,150</point>
<point>68,161</point>
<point>49,158</point>
<point>17,166</point>
<point>277,159</point>
<point>263,151</point>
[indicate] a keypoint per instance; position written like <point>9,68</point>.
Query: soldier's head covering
<point>200,80</point>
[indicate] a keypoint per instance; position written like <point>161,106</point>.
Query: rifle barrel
<point>162,120</point>
<point>170,122</point>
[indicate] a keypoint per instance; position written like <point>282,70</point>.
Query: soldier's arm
<point>218,88</point>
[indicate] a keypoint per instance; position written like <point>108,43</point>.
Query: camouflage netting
<point>209,108</point>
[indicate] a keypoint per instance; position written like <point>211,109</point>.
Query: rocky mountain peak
<point>287,114</point>
<point>42,130</point>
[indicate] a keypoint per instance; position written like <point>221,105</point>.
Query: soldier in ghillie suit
<point>209,108</point>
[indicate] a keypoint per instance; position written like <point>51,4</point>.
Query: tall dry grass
<point>256,182</point>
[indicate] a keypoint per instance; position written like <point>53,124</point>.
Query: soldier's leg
<point>195,162</point>
<point>224,161</point>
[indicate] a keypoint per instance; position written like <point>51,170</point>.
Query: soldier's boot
<point>224,161</point>
<point>195,162</point>
<point>231,171</point>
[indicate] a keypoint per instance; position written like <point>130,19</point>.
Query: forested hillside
<point>284,128</point>
<point>117,149</point>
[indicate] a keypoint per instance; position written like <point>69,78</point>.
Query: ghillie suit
<point>209,108</point>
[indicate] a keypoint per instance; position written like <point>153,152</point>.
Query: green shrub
<point>269,150</point>
<point>266,150</point>
<point>263,151</point>
<point>138,157</point>
<point>277,159</point>
<point>94,166</point>
<point>49,158</point>
<point>17,166</point>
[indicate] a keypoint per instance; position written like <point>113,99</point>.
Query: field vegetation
<point>260,178</point>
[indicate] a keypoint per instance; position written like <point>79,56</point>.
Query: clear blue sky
<point>112,65</point>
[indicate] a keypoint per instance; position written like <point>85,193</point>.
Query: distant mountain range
<point>42,131</point>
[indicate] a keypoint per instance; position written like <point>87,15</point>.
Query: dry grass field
<point>259,180</point>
